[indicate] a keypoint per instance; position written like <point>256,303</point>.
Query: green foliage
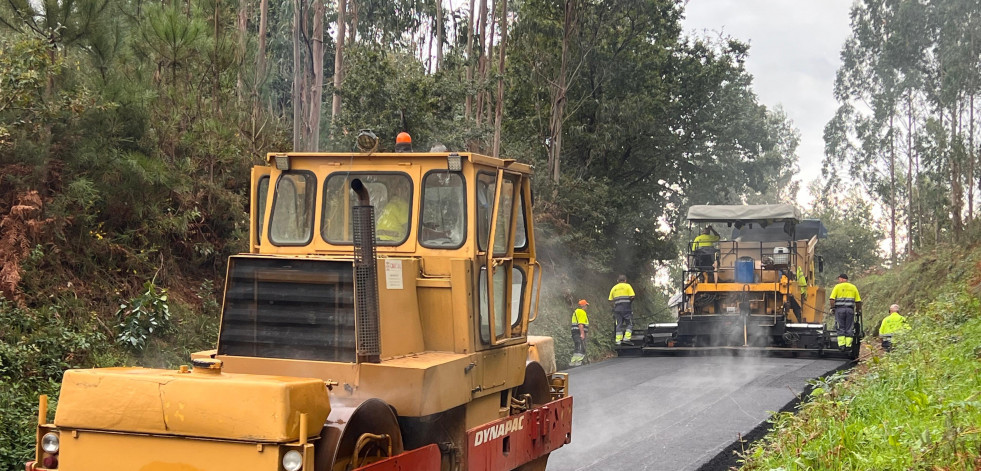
<point>27,106</point>
<point>910,78</point>
<point>143,316</point>
<point>639,147</point>
<point>388,92</point>
<point>852,245</point>
<point>915,408</point>
<point>931,273</point>
<point>36,347</point>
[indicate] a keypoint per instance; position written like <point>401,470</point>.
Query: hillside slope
<point>917,407</point>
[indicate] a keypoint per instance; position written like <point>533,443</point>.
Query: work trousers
<point>845,320</point>
<point>625,323</point>
<point>579,342</point>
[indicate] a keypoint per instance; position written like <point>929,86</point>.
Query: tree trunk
<point>316,90</point>
<point>892,191</point>
<point>488,99</point>
<point>502,54</point>
<point>353,31</point>
<point>216,76</point>
<point>956,188</point>
<point>308,75</point>
<point>559,98</point>
<point>471,32</point>
<point>439,35</point>
<point>481,61</point>
<point>487,109</point>
<point>260,59</point>
<point>429,53</point>
<point>297,75</point>
<point>910,233</point>
<point>970,163</point>
<point>335,105</point>
<point>243,31</point>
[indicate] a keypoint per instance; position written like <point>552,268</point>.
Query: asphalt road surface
<point>675,413</point>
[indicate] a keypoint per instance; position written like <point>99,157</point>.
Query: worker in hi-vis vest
<point>846,302</point>
<point>893,323</point>
<point>707,238</point>
<point>580,327</point>
<point>392,224</point>
<point>622,297</point>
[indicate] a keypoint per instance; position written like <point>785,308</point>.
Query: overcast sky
<point>794,53</point>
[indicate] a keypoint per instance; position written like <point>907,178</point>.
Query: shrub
<point>143,316</point>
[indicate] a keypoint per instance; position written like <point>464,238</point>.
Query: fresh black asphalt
<point>675,413</point>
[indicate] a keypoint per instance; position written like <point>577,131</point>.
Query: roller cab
<point>379,321</point>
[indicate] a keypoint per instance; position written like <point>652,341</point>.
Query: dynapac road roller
<point>749,285</point>
<point>379,322</point>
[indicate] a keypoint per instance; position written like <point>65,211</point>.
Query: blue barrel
<point>745,270</point>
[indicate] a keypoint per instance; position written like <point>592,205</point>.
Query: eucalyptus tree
<point>308,72</point>
<point>908,83</point>
<point>655,122</point>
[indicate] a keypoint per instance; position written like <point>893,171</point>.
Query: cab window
<point>443,222</point>
<point>291,219</point>
<point>521,230</point>
<point>517,294</point>
<point>390,194</point>
<point>262,191</point>
<point>503,231</point>
<point>486,185</point>
<point>499,280</point>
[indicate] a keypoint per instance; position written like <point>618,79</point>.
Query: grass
<point>917,407</point>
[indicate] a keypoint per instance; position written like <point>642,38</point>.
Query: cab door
<point>497,193</point>
<point>526,272</point>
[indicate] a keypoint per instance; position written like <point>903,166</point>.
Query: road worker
<point>893,323</point>
<point>846,302</point>
<point>393,220</point>
<point>622,297</point>
<point>796,303</point>
<point>802,283</point>
<point>703,249</point>
<point>580,327</point>
<point>707,238</point>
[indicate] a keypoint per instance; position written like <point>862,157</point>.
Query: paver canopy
<point>744,213</point>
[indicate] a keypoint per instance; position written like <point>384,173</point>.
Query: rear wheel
<point>537,386</point>
<point>359,435</point>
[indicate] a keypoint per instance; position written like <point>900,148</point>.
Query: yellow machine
<point>749,284</point>
<point>379,322</point>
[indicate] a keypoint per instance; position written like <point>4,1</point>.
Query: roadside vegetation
<point>917,407</point>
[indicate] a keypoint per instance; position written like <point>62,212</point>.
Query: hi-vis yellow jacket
<point>893,323</point>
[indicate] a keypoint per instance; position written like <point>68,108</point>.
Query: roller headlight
<point>50,442</point>
<point>292,460</point>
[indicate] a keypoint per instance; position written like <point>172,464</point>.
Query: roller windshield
<point>391,195</point>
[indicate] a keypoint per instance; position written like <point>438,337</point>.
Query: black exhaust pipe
<point>366,320</point>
